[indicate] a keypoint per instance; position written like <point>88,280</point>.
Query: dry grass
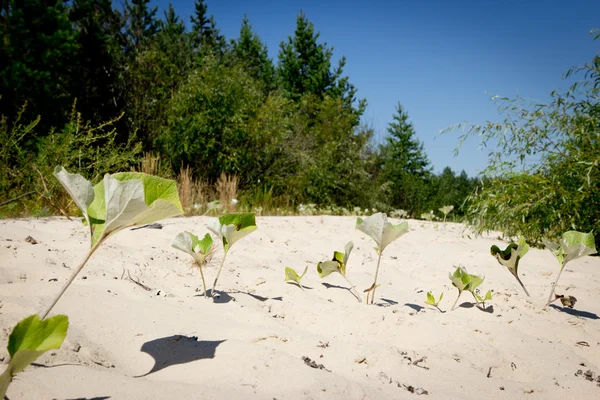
<point>227,187</point>
<point>149,164</point>
<point>193,194</point>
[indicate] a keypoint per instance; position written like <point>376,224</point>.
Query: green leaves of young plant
<point>464,281</point>
<point>433,302</point>
<point>572,245</point>
<point>30,339</point>
<point>380,230</point>
<point>338,264</point>
<point>121,200</point>
<point>292,276</point>
<point>383,233</point>
<point>446,210</point>
<point>511,256</point>
<point>199,249</point>
<point>230,228</point>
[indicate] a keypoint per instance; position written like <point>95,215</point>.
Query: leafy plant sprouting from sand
<point>119,201</point>
<point>230,228</point>
<point>433,302</point>
<point>383,233</point>
<point>291,276</point>
<point>338,264</point>
<point>28,340</point>
<point>572,245</point>
<point>511,256</point>
<point>464,281</point>
<point>446,210</point>
<point>199,249</point>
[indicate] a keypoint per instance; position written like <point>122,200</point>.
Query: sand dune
<point>266,339</point>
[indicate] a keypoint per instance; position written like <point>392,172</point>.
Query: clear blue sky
<point>442,60</point>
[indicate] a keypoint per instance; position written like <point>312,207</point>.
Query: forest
<point>100,88</point>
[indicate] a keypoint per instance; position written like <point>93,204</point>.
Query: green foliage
<point>199,249</point>
<point>338,264</point>
<point>511,256</point>
<point>572,245</point>
<point>253,53</point>
<point>464,281</point>
<point>29,339</point>
<point>433,302</point>
<point>292,276</point>
<point>543,176</point>
<point>446,210</point>
<point>230,228</point>
<point>383,233</point>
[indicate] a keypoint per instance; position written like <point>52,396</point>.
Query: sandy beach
<point>141,329</point>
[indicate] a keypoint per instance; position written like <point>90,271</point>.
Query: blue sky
<point>442,60</point>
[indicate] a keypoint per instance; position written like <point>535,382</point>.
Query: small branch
<point>16,198</point>
<point>48,197</point>
<point>137,282</point>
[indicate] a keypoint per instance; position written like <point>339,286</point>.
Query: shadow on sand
<point>576,313</point>
<point>178,349</point>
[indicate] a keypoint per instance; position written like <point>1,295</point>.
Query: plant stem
<point>375,281</point>
<point>202,275</point>
<point>218,273</point>
<point>352,289</point>
<point>550,300</point>
<point>523,286</point>
<point>70,280</point>
<point>456,301</point>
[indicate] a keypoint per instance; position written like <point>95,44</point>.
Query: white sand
<point>128,343</point>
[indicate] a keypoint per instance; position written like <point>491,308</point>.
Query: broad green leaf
<point>348,249</point>
<point>232,227</point>
<point>446,210</point>
<point>488,296</point>
<point>511,256</point>
<point>430,299</point>
<point>79,188</point>
<point>572,245</point>
<point>475,281</point>
<point>380,230</point>
<point>121,200</point>
<point>29,339</point>
<point>328,267</point>
<point>189,243</point>
<point>460,279</point>
<point>292,275</point>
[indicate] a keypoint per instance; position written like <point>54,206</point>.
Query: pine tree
<point>253,53</point>
<point>404,163</point>
<point>141,23</point>
<point>206,37</point>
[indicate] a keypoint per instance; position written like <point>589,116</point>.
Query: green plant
<point>292,276</point>
<point>572,245</point>
<point>446,210</point>
<point>383,233</point>
<point>230,228</point>
<point>28,340</point>
<point>464,281</point>
<point>199,249</point>
<point>433,302</point>
<point>119,201</point>
<point>511,256</point>
<point>338,264</point>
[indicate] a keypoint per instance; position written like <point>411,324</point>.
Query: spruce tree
<point>252,52</point>
<point>206,38</point>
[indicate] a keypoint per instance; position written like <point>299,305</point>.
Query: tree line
<point>94,87</point>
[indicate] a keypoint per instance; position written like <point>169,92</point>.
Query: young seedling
<point>383,233</point>
<point>230,228</point>
<point>511,256</point>
<point>291,276</point>
<point>200,250</point>
<point>572,245</point>
<point>446,210</point>
<point>338,264</point>
<point>370,291</point>
<point>462,281</point>
<point>121,200</point>
<point>28,340</point>
<point>433,302</point>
